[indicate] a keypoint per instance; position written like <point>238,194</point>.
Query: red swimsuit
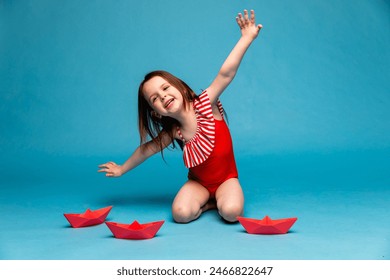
<point>209,154</point>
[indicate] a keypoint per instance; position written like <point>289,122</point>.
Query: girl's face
<point>164,98</point>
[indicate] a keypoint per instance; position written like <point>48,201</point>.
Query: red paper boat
<point>134,230</point>
<point>88,218</point>
<point>267,225</point>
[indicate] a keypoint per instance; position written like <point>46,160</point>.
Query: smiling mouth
<point>168,103</point>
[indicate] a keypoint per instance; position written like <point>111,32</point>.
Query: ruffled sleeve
<point>199,148</point>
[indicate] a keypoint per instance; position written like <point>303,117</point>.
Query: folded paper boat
<point>88,218</point>
<point>267,225</point>
<point>135,230</point>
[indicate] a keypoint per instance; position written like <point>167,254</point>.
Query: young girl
<point>170,111</point>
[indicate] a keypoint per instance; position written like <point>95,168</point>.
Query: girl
<point>170,111</point>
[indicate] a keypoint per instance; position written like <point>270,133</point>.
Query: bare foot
<point>211,204</point>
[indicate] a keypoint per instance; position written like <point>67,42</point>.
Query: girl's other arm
<point>141,154</point>
<point>249,32</point>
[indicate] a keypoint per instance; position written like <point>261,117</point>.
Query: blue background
<point>308,112</point>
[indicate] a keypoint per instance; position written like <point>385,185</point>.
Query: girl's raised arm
<point>249,32</point>
<point>139,156</point>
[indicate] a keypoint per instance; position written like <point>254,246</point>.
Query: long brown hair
<point>151,126</point>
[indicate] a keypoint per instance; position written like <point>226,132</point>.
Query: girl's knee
<point>230,211</point>
<point>184,214</point>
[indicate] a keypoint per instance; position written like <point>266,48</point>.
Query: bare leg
<point>190,202</point>
<point>230,200</point>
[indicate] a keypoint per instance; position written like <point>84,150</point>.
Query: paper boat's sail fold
<point>267,225</point>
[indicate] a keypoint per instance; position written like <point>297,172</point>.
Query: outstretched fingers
<point>246,19</point>
<point>247,24</point>
<point>108,168</point>
<point>240,21</point>
<point>105,166</point>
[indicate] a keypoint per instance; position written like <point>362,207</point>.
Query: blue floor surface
<point>341,201</point>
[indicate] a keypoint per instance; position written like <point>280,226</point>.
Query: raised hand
<point>111,169</point>
<point>248,25</point>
